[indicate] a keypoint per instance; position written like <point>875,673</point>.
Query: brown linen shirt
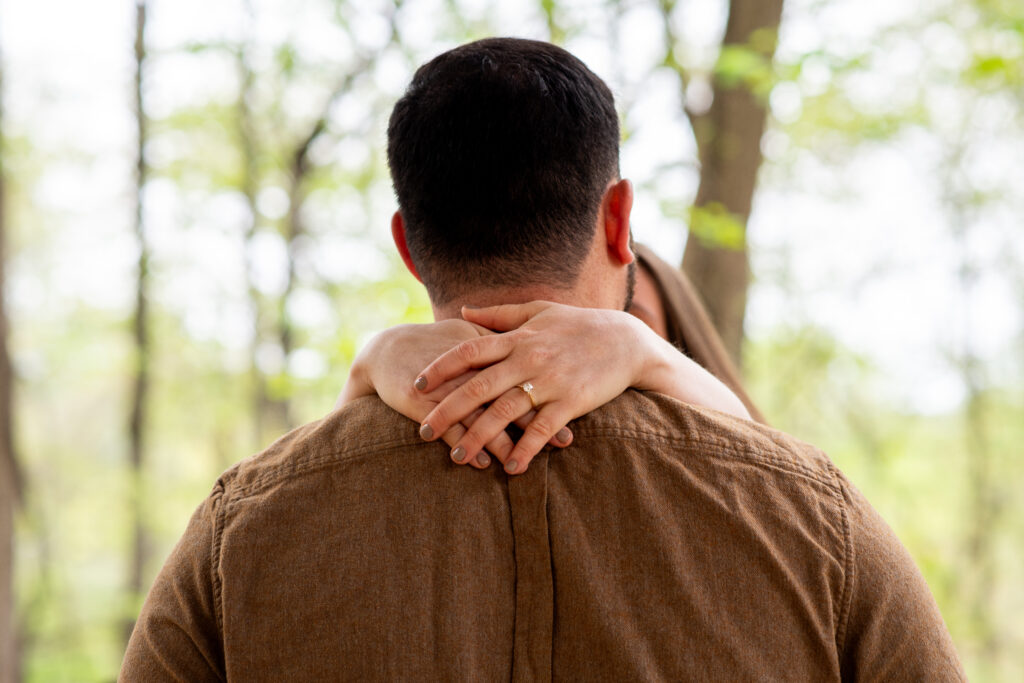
<point>667,543</point>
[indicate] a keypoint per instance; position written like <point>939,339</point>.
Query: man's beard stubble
<point>630,284</point>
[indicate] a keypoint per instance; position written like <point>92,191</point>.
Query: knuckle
<point>439,417</point>
<point>541,427</point>
<point>538,356</point>
<point>524,335</point>
<point>500,446</point>
<point>452,436</point>
<point>478,387</point>
<point>466,351</point>
<point>505,408</point>
<point>471,441</point>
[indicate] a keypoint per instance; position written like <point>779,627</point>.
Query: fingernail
<point>420,383</point>
<point>563,435</point>
<point>459,454</point>
<point>483,460</point>
<point>511,466</point>
<point>426,432</point>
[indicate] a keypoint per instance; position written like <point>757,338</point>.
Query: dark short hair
<point>500,152</point>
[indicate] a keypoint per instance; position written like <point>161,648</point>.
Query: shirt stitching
<point>312,465</point>
<point>849,570</point>
<point>218,504</point>
<point>720,448</point>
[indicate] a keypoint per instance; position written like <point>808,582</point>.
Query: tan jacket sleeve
<point>892,630</point>
<point>177,637</point>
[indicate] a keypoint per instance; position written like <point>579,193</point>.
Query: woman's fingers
<point>472,431</point>
<point>472,353</point>
<point>561,439</point>
<point>508,407</point>
<point>504,317</point>
<point>484,387</point>
<point>542,428</point>
<point>500,446</point>
<point>453,435</point>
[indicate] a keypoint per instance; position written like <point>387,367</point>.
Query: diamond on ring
<point>528,388</point>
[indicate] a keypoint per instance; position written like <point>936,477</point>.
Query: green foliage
<point>73,354</point>
<point>286,59</point>
<point>747,66</point>
<point>715,226</point>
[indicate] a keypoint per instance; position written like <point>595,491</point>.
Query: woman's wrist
<point>666,370</point>
<point>359,382</point>
<point>657,361</point>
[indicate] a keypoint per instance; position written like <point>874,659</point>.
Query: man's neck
<point>494,297</point>
<point>601,283</point>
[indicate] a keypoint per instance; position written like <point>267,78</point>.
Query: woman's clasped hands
<point>537,365</point>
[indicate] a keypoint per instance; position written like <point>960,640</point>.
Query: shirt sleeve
<point>176,637</point>
<point>893,628</point>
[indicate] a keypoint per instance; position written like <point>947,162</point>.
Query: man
<point>668,542</point>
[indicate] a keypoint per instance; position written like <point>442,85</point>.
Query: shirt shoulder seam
<point>849,567</point>
<point>311,465</point>
<point>723,448</point>
<point>218,503</point>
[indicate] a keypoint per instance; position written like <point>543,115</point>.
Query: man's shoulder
<point>345,438</point>
<point>666,427</point>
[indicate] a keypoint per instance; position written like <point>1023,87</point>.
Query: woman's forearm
<point>666,370</point>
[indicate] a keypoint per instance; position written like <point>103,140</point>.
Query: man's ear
<point>398,235</point>
<point>616,207</point>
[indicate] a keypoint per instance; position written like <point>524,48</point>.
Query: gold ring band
<point>528,388</point>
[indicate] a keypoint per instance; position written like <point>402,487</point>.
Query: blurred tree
<point>295,229</point>
<point>298,175</point>
<point>138,413</point>
<point>248,184</point>
<point>10,475</point>
<point>987,78</point>
<point>728,136</point>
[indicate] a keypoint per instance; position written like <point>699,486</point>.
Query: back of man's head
<point>500,152</point>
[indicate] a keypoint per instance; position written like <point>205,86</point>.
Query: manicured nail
<point>426,431</point>
<point>420,383</point>
<point>563,435</point>
<point>458,454</point>
<point>511,466</point>
<point>483,460</point>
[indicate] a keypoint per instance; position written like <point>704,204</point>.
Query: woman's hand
<point>574,360</point>
<point>389,365</point>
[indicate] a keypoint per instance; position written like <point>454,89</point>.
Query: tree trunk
<point>729,146</point>
<point>249,185</point>
<point>140,325</point>
<point>294,228</point>
<point>10,476</point>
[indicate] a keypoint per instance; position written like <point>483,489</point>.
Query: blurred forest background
<point>195,243</point>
